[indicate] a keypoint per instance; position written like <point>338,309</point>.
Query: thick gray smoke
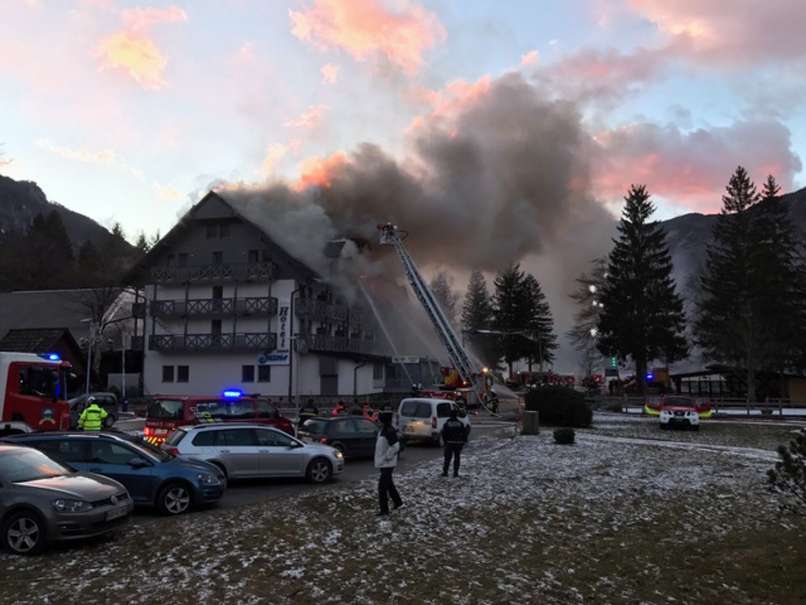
<point>506,180</point>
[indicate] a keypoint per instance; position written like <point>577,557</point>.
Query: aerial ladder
<point>478,378</point>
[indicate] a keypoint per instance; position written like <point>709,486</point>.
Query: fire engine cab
<point>32,393</point>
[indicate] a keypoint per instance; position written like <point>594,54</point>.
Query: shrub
<point>564,436</point>
<point>560,406</point>
<point>789,475</point>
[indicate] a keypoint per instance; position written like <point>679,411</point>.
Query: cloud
<point>104,157</point>
<point>274,153</point>
<point>142,18</point>
<point>691,168</point>
<point>318,171</point>
<point>330,73</point>
<point>167,193</point>
<point>450,102</point>
<point>370,29</point>
<point>530,58</point>
<point>729,31</point>
<point>135,55</point>
<point>308,119</point>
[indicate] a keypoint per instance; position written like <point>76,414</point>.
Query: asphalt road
<point>253,491</point>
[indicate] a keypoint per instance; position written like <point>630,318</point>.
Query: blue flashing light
<point>51,356</point>
<point>650,377</point>
<point>233,394</point>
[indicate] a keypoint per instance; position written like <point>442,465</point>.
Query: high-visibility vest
<point>92,417</point>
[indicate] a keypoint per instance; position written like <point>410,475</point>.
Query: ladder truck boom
<point>461,360</point>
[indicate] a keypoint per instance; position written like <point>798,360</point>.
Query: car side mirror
<point>138,463</point>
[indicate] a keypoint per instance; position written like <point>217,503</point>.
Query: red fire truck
<point>32,393</point>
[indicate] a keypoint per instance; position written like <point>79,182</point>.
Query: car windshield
<point>316,427</point>
<point>166,409</point>
<point>684,401</point>
<point>28,465</point>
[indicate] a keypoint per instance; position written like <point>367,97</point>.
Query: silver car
<point>253,450</point>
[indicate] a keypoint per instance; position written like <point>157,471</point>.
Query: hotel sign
<point>281,355</point>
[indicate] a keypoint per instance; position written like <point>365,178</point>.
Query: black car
<point>153,477</point>
<point>353,436</point>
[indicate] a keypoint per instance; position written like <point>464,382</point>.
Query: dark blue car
<point>153,477</point>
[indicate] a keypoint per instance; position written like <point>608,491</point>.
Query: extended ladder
<point>459,357</point>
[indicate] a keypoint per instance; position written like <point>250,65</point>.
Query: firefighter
<point>309,411</point>
<point>454,436</point>
<point>93,416</point>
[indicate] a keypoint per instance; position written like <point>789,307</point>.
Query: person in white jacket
<point>387,447</point>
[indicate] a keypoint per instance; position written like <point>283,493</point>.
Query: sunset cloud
<point>135,55</point>
<point>368,29</point>
<point>729,31</point>
<point>330,73</point>
<point>691,167</point>
<point>530,58</point>
<point>448,103</point>
<point>308,119</point>
<point>144,17</point>
<point>103,157</point>
<point>319,171</point>
<point>274,153</point>
<point>166,193</point>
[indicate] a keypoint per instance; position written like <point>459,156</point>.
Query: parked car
<point>167,412</point>
<point>353,436</point>
<point>152,476</point>
<point>107,401</point>
<point>42,501</point>
<point>422,419</point>
<point>679,411</point>
<point>253,450</point>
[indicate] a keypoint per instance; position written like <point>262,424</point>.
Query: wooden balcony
<point>318,310</point>
<point>213,273</point>
<point>214,307</point>
<point>213,343</point>
<point>338,344</point>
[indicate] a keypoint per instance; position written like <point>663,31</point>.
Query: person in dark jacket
<point>454,436</point>
<point>387,448</point>
<point>309,411</point>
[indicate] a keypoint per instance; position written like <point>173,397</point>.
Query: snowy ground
<point>612,519</point>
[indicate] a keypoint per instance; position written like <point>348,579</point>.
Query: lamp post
<point>90,342</point>
<point>291,339</point>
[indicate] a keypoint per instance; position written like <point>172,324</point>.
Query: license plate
<point>117,513</point>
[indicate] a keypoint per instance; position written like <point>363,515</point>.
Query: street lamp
<point>90,342</point>
<point>592,289</point>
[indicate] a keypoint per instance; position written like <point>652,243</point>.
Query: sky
<point>129,112</point>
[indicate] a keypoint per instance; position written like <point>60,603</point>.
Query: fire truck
<point>32,393</point>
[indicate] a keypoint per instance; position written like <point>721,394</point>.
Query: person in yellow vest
<point>92,418</point>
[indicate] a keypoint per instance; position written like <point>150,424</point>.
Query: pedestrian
<point>339,409</point>
<point>306,413</point>
<point>369,413</point>
<point>387,447</point>
<point>93,416</point>
<point>454,437</point>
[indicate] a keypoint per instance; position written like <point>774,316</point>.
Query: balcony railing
<point>318,310</point>
<point>240,342</point>
<point>214,307</point>
<point>221,272</point>
<point>338,344</point>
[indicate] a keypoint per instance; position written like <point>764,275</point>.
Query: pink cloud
<point>690,168</point>
<point>144,17</point>
<point>530,58</point>
<point>448,103</point>
<point>729,31</point>
<point>274,153</point>
<point>367,29</point>
<point>319,171</point>
<point>135,55</point>
<point>308,119</point>
<point>330,73</point>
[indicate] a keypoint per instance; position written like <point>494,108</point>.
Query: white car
<point>679,411</point>
<point>244,451</point>
<point>422,419</point>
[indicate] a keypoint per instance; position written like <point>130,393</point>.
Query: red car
<point>167,412</point>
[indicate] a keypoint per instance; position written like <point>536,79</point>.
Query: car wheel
<point>319,470</point>
<point>174,499</point>
<point>24,533</point>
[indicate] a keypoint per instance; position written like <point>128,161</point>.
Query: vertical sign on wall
<point>280,355</point>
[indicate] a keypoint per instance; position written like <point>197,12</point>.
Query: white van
<point>422,419</point>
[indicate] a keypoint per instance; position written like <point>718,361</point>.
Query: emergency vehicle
<point>676,408</point>
<point>32,393</point>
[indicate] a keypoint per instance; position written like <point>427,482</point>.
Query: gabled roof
<point>36,340</point>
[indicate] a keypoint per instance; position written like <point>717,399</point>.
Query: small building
<point>229,308</point>
<point>721,382</point>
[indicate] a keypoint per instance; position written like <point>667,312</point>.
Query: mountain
<point>21,201</point>
<point>689,234</point>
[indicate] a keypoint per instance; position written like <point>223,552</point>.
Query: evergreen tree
<point>441,288</point>
<point>154,239</point>
<point>89,264</point>
<point>584,334</point>
<point>511,306</point>
<point>142,243</point>
<point>49,253</point>
<point>751,310</point>
<point>642,316</point>
<point>542,342</point>
<point>477,314</point>
<point>771,188</point>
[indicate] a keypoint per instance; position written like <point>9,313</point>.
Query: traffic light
<point>614,362</point>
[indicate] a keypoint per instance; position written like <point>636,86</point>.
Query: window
<point>38,381</point>
<point>236,437</point>
<point>167,373</point>
<point>247,373</point>
<point>205,439</point>
<point>443,410</point>
<point>168,409</point>
<point>273,438</point>
<point>182,373</point>
<point>253,257</point>
<point>265,409</point>
<point>223,230</point>
<point>183,259</point>
<point>215,327</point>
<point>27,465</point>
<point>105,452</point>
<point>365,426</point>
<point>218,257</point>
<point>416,409</point>
<point>377,371</point>
<point>63,450</point>
<point>211,410</point>
<point>218,292</point>
<point>264,373</point>
<point>171,259</point>
<point>211,230</point>
<point>240,409</point>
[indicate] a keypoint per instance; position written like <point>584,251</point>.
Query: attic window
<point>211,230</point>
